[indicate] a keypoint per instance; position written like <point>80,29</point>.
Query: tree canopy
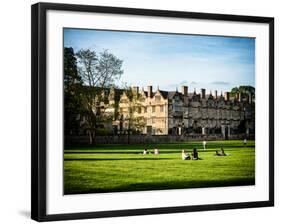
<point>72,88</point>
<point>98,73</point>
<point>244,90</point>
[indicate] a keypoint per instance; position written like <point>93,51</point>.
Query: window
<point>178,108</point>
<point>161,108</point>
<point>157,98</point>
<point>123,101</point>
<point>145,110</point>
<point>139,110</point>
<point>153,109</point>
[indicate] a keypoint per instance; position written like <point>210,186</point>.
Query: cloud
<point>170,87</point>
<point>183,82</point>
<point>171,61</point>
<point>220,83</point>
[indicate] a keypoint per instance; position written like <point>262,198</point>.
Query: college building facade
<point>179,112</point>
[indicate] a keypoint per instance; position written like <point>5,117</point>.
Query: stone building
<point>181,112</point>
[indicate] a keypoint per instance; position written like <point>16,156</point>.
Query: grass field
<point>116,168</point>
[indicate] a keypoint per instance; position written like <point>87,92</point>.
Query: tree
<point>99,73</point>
<point>72,88</point>
<point>135,122</point>
<point>243,90</point>
<point>234,91</point>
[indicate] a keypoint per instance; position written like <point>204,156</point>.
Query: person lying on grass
<point>221,153</point>
<point>185,156</point>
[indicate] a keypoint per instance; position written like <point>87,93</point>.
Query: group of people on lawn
<point>156,151</point>
<point>187,156</point>
<point>194,155</point>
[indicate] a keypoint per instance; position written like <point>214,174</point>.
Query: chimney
<point>247,98</point>
<point>149,91</point>
<point>184,90</point>
<point>250,98</point>
<point>203,93</point>
<point>226,96</point>
<point>136,89</point>
<point>216,94</point>
<point>239,97</point>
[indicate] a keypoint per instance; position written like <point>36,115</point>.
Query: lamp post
<point>245,121</point>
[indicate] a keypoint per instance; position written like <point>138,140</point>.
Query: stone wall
<point>147,139</point>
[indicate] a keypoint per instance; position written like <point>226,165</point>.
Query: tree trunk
<point>92,135</point>
<point>128,137</point>
<point>129,129</point>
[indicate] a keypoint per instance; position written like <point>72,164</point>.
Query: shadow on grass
<point>116,151</point>
<point>171,146</point>
<point>165,185</point>
<point>109,159</point>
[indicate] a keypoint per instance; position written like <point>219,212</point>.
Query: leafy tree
<point>72,87</point>
<point>247,89</point>
<point>99,72</point>
<point>234,91</point>
<point>135,122</point>
<point>243,90</point>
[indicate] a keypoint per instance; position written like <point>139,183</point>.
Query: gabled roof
<point>164,93</point>
<point>171,94</point>
<point>144,92</point>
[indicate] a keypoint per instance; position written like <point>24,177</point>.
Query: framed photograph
<point>140,111</point>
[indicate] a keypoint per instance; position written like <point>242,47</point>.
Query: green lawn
<point>115,168</point>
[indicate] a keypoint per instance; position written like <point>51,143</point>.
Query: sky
<point>172,60</point>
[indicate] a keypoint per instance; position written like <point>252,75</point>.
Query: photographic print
<point>156,111</point>
<point>144,111</point>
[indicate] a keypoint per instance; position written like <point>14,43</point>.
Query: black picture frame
<point>38,108</point>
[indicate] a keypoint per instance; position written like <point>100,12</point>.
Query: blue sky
<point>170,60</point>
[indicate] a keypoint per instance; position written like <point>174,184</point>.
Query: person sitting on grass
<point>220,152</point>
<point>156,151</point>
<point>245,141</point>
<point>195,154</point>
<point>185,156</point>
<point>217,153</point>
<point>145,152</point>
